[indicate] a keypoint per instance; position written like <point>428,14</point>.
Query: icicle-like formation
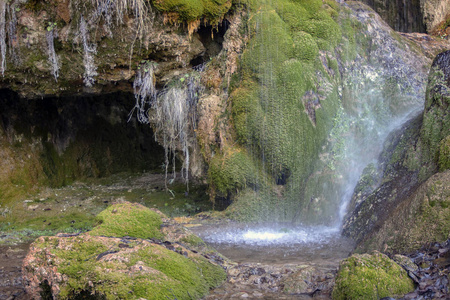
<point>90,70</point>
<point>175,109</point>
<point>144,91</point>
<point>12,30</point>
<point>52,58</point>
<point>172,115</point>
<point>118,9</point>
<point>3,36</point>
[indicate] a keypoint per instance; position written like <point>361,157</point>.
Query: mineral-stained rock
<point>118,265</point>
<point>370,276</point>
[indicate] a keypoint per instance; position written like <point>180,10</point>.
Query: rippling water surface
<point>277,243</point>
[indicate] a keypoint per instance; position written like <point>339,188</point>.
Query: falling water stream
<point>375,108</point>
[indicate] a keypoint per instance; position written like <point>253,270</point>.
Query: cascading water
<point>367,96</point>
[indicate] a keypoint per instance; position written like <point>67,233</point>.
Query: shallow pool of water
<point>277,243</point>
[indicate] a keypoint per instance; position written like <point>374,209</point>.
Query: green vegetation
<point>283,107</point>
<point>193,10</point>
<point>142,270</point>
<point>128,219</point>
<point>234,170</point>
<point>112,268</point>
<point>444,154</point>
<point>371,277</point>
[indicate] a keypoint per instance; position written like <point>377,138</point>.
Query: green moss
<point>193,240</point>
<point>143,270</point>
<point>280,112</point>
<point>444,154</point>
<point>231,171</point>
<point>191,10</point>
<point>371,277</point>
<point>128,219</point>
<point>305,47</point>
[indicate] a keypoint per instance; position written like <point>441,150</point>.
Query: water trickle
<point>175,109</point>
<point>52,57</point>
<point>12,30</point>
<point>3,36</point>
<point>89,50</point>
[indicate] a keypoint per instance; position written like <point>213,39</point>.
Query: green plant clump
<point>191,10</point>
<point>128,219</point>
<point>232,171</point>
<point>444,154</point>
<point>371,276</point>
<point>283,107</point>
<point>144,270</point>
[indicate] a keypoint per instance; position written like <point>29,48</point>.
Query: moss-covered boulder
<point>134,253</point>
<point>422,218</point>
<point>370,276</point>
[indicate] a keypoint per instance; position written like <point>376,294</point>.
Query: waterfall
<point>52,58</point>
<point>89,50</point>
<point>3,36</point>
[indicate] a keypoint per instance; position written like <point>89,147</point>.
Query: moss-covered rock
<point>422,218</point>
<point>192,10</point>
<point>70,266</point>
<point>371,276</point>
<point>444,154</point>
<point>128,219</point>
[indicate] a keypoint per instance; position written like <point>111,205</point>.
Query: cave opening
<point>74,137</point>
<point>212,39</point>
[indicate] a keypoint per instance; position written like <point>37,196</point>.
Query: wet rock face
<point>404,16</point>
<point>370,276</point>
<point>47,51</point>
<point>411,15</point>
<point>409,207</point>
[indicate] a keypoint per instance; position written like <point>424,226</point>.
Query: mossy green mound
<point>128,219</point>
<point>444,154</point>
<point>281,111</point>
<point>422,218</point>
<point>371,276</point>
<point>191,10</point>
<point>116,260</point>
<point>112,268</point>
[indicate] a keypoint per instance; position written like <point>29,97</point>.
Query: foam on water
<point>277,243</point>
<point>269,236</point>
